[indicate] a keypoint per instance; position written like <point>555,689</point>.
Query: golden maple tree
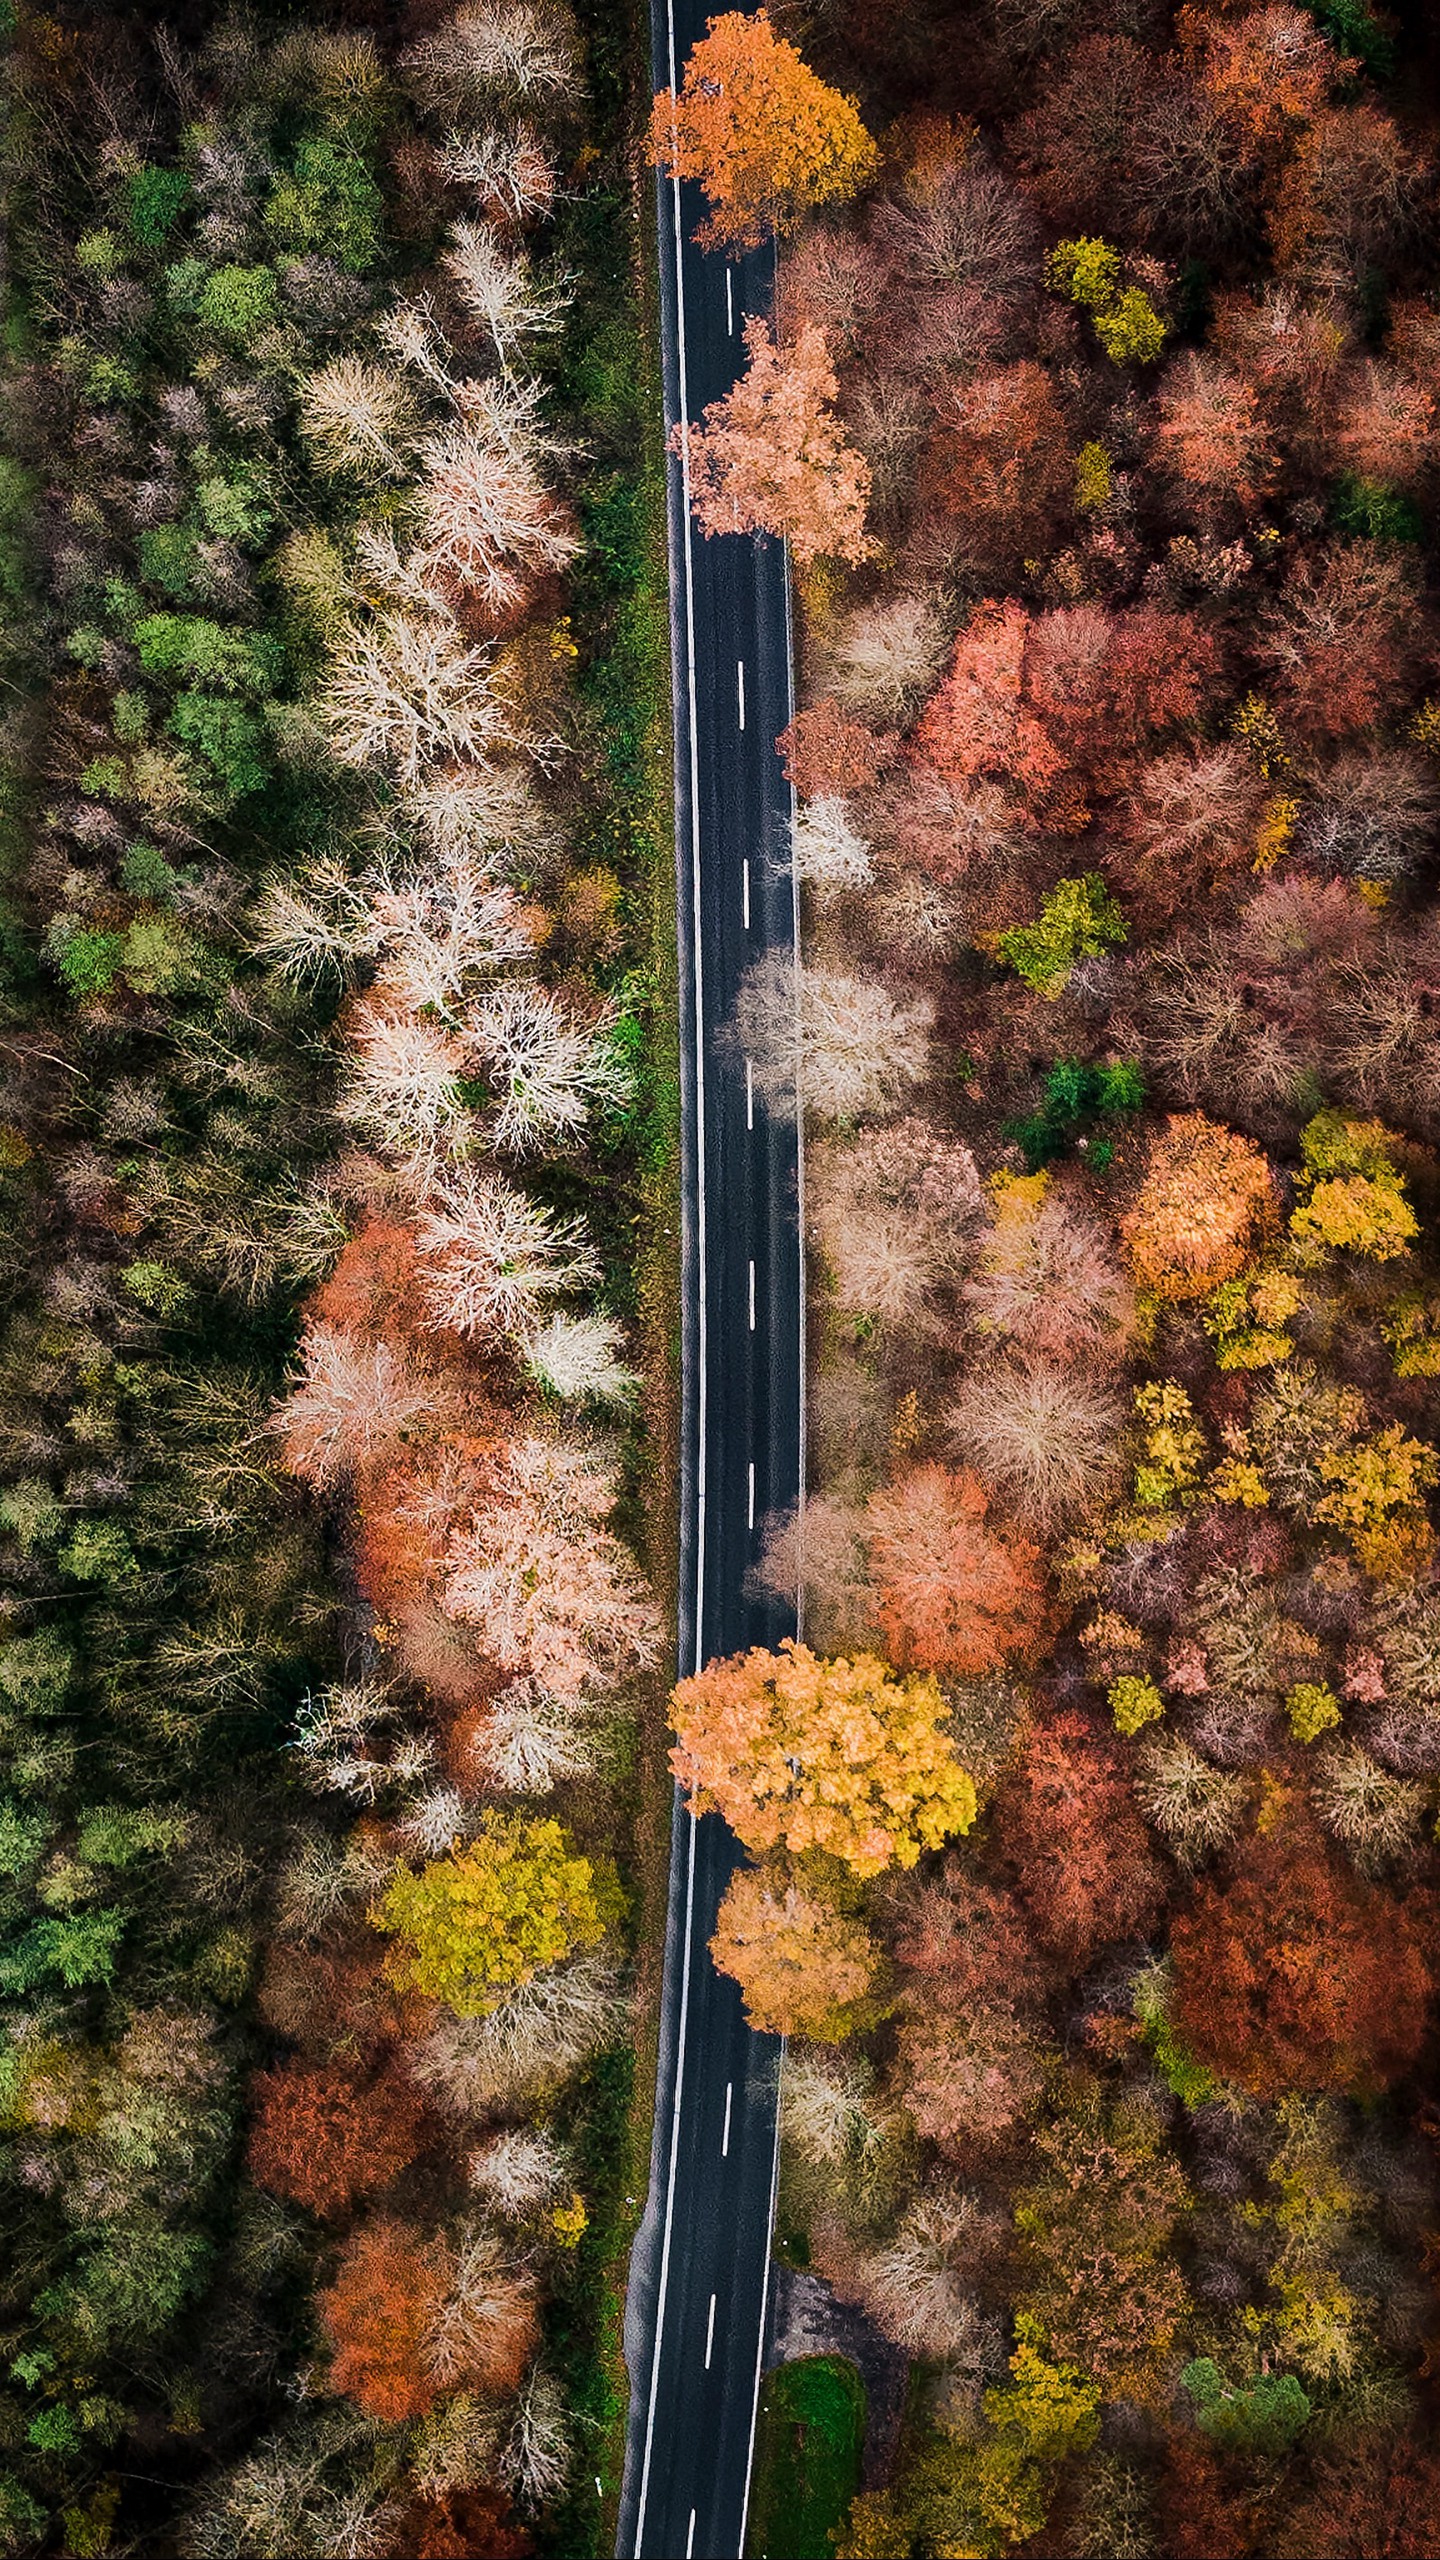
<point>800,1753</point>
<point>804,1967</point>
<point>766,138</point>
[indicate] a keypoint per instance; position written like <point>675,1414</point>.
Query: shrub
<point>1078,921</point>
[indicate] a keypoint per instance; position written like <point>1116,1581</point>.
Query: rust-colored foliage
<point>827,755</point>
<point>466,2524</point>
<point>1293,1974</point>
<point>1206,1205</point>
<point>326,2139</point>
<point>952,1594</point>
<point>379,2315</point>
<point>1202,2519</point>
<point>374,1288</point>
<point>1084,1866</point>
<point>1378,2495</point>
<point>999,466</point>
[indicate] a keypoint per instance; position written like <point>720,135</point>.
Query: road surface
<point>695,2317</point>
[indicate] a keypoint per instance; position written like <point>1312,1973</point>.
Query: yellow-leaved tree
<point>799,1753</point>
<point>804,1967</point>
<point>518,1897</point>
<point>766,138</point>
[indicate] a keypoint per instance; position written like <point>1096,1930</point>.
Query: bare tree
<point>501,290</point>
<point>402,1080</point>
<point>486,516</point>
<point>539,2450</point>
<point>512,172</point>
<point>1195,1807</point>
<point>1047,1438</point>
<point>359,418</point>
<point>515,51</point>
<point>519,2169</point>
<point>830,853</point>
<point>350,1400</point>
<point>888,655</point>
<point>408,690</point>
<point>1373,1814</point>
<point>577,1357</point>
<point>540,1573</point>
<point>528,1741</point>
<point>548,1070</point>
<point>846,1044</point>
<point>896,1212</point>
<point>494,1260</point>
<point>533,2038</point>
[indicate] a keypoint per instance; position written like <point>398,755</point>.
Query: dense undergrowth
<point>1102,420</point>
<point>334,1015</point>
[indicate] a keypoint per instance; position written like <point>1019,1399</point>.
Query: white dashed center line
<point>710,2333</point>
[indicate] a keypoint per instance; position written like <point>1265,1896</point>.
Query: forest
<point>338,1160</point>
<point>1092,1826</point>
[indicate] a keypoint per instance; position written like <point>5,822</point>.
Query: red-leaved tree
<point>325,2139</point>
<point>1084,1866</point>
<point>951,1593</point>
<point>1293,1974</point>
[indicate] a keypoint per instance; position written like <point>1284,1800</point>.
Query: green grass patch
<point>807,2458</point>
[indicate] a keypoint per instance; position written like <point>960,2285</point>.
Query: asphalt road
<point>695,2320</point>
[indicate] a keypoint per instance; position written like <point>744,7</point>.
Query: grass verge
<point>807,2458</point>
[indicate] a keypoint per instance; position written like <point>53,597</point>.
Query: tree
<point>1085,1870</point>
<point>997,466</point>
<point>1268,71</point>
<point>379,2315</point>
<point>326,2139</point>
<point>802,1754</point>
<point>1341,641</point>
<point>539,1572</point>
<point>1379,2493</point>
<point>967,2076</point>
<point>1210,433</point>
<point>895,1211</point>
<point>827,755</point>
<point>1385,424</point>
<point>1046,1437</point>
<point>1047,1280</point>
<point>767,139</point>
<point>829,853</point>
<point>352,1401</point>
<point>359,418</point>
<point>952,1595</point>
<point>492,1262</point>
<point>839,1044</point>
<point>1205,1207</point>
<point>498,52</point>
<point>407,688</point>
<point>804,1967</point>
<point>1097,2239</point>
<point>771,456</point>
<point>1292,1974</point>
<point>487,519</point>
<point>518,1898</point>
<point>977,723</point>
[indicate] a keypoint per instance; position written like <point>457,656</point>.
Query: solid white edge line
<point>800,1509</point>
<point>764,2304</point>
<point>683,402</point>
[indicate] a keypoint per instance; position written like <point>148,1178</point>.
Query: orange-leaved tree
<point>801,1753</point>
<point>380,2314</point>
<point>952,1595</point>
<point>767,139</point>
<point>804,1967</point>
<point>771,457</point>
<point>1205,1207</point>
